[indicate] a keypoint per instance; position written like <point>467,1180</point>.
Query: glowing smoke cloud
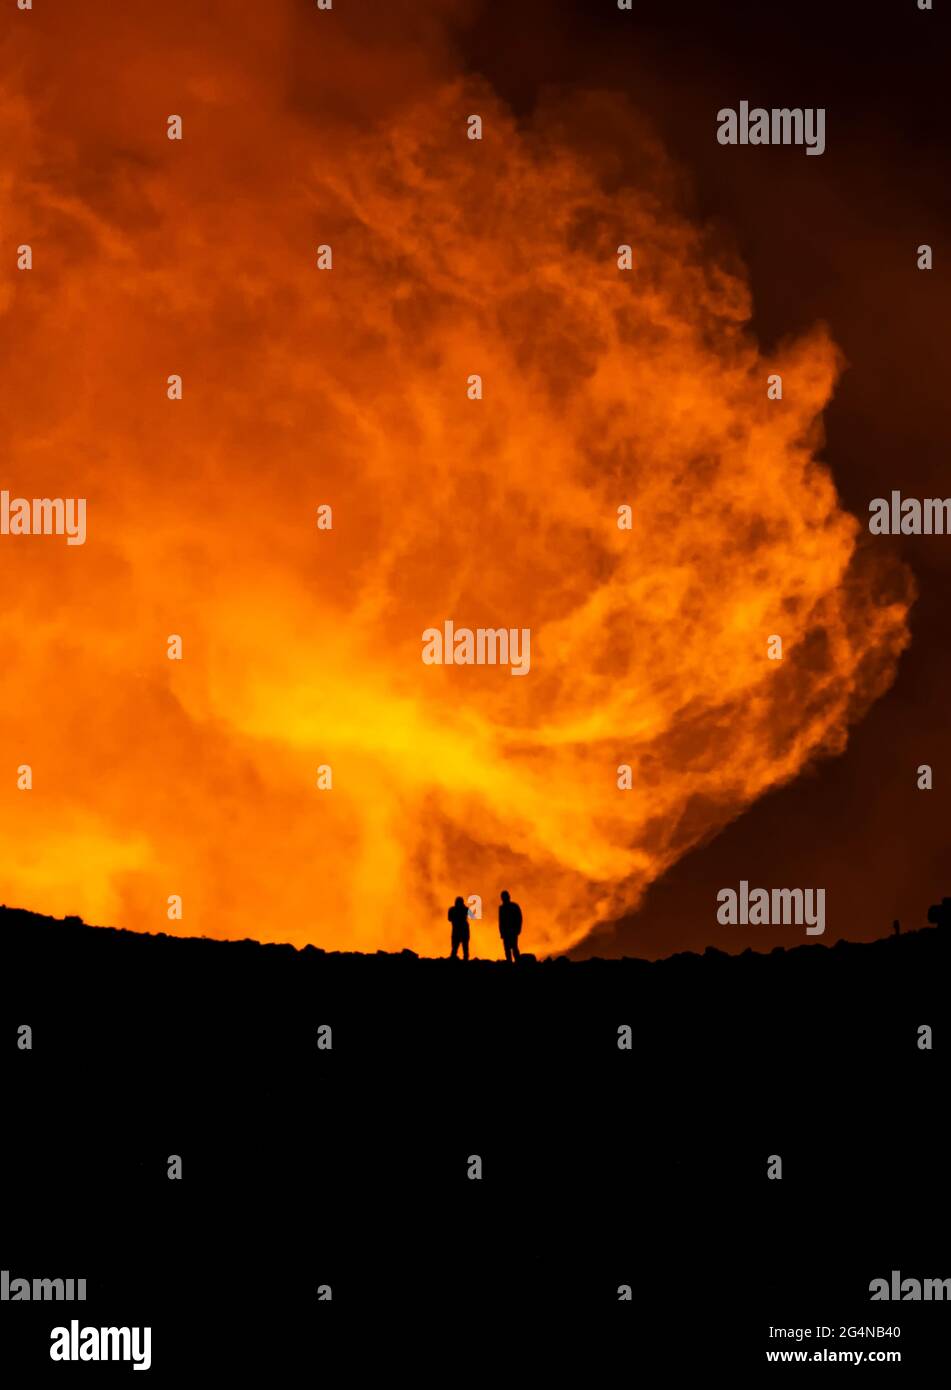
<point>348,387</point>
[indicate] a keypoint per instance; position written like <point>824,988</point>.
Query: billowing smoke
<point>602,388</point>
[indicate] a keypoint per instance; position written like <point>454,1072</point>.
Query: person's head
<point>505,896</point>
<point>459,903</point>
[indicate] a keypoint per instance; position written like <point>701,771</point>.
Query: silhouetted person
<point>896,926</point>
<point>510,924</point>
<point>458,915</point>
<point>940,913</point>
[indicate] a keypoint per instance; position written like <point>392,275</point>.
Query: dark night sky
<point>830,238</point>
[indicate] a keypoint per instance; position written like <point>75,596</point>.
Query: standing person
<point>510,924</point>
<point>458,915</point>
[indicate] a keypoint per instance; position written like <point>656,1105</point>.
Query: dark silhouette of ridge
<point>22,930</point>
<point>624,1110</point>
<point>850,997</point>
<point>749,1015</point>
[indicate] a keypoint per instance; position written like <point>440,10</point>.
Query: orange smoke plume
<point>347,387</point>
